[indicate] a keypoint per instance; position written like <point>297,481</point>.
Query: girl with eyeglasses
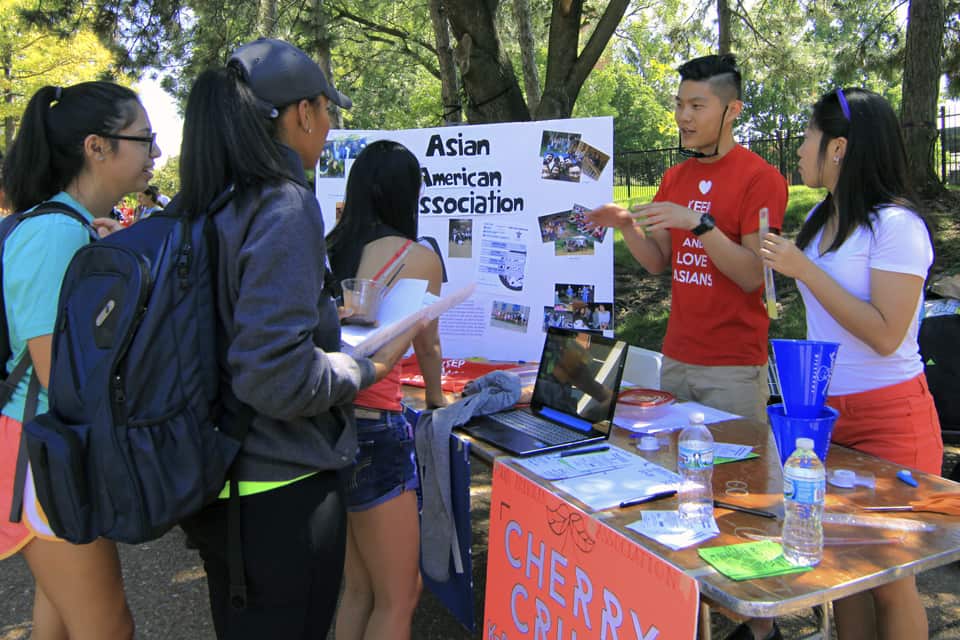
<point>81,147</point>
<point>860,261</point>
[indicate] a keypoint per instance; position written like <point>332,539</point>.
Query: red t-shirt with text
<point>712,320</point>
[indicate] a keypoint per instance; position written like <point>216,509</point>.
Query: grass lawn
<point>642,300</point>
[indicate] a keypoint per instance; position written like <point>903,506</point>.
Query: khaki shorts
<point>742,390</point>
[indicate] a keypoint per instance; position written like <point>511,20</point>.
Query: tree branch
<point>598,42</point>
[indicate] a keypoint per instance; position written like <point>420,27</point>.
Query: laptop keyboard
<point>537,427</point>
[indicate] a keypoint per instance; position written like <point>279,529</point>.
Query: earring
<point>309,130</point>
<point>836,159</point>
<point>101,158</point>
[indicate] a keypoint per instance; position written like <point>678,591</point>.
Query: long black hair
<point>47,153</point>
<point>227,140</point>
<point>873,171</point>
<point>383,189</point>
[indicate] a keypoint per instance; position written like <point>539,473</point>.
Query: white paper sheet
<point>609,488</point>
<point>366,340</point>
<point>666,528</point>
<point>551,466</point>
<point>677,416</point>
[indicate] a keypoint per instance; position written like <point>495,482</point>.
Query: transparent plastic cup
<point>362,296</point>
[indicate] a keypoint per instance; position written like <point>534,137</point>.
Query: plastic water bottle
<point>695,465</point>
<point>804,487</point>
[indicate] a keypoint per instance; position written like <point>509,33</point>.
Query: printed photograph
<point>566,295</point>
<point>579,245</point>
<point>594,318</point>
<point>333,158</point>
<point>508,315</point>
<point>592,160</point>
<point>460,238</point>
<point>559,158</point>
<point>579,216</point>
<point>554,226</point>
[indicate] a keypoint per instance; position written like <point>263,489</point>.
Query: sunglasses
<point>844,105</point>
<point>152,139</point>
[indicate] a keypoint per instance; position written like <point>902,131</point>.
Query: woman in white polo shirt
<point>860,261</point>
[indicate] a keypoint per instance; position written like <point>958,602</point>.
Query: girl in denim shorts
<point>376,239</point>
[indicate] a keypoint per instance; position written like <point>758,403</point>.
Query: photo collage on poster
<point>567,157</point>
<point>504,208</point>
<point>574,307</point>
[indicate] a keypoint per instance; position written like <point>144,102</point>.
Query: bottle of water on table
<point>695,466</point>
<point>804,487</point>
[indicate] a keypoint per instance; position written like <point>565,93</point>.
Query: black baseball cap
<point>281,74</point>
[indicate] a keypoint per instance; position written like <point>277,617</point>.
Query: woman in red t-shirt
<point>376,239</point>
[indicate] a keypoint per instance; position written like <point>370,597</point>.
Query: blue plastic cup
<point>804,368</point>
<point>786,430</point>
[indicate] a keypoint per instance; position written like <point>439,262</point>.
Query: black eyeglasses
<point>152,139</point>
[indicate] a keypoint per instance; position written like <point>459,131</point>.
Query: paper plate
<point>643,404</point>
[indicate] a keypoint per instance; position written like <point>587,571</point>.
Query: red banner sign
<point>554,573</point>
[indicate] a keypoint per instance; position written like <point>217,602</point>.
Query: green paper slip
<point>750,560</point>
<point>720,460</point>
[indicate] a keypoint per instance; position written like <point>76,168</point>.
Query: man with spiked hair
<point>704,223</point>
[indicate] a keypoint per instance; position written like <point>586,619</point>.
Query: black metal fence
<point>949,147</point>
<point>637,173</point>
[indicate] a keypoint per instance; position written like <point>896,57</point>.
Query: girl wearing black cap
<point>255,126</point>
<point>82,147</point>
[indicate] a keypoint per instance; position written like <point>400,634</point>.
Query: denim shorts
<point>386,464</point>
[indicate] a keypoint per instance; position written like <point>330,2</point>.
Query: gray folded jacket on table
<point>496,391</point>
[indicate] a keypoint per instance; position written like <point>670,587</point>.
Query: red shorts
<point>33,524</point>
<point>898,423</point>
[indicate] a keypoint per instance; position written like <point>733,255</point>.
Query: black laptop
<point>576,387</point>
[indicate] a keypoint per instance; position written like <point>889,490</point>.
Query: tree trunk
<point>528,53</point>
<point>566,71</point>
<point>449,85</point>
<point>321,38</point>
<point>493,94</point>
<point>10,122</point>
<point>267,18</point>
<point>921,88</point>
<point>723,22</point>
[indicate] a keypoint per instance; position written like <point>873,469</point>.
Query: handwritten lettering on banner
<point>553,573</point>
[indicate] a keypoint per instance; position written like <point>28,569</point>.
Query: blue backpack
<point>134,441</point>
<point>13,377</point>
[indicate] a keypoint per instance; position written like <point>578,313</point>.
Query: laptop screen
<point>579,378</point>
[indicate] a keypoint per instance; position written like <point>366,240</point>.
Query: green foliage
<point>801,200</point>
<point>644,329</point>
<point>32,58</point>
<point>167,178</point>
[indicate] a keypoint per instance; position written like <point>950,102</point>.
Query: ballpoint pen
<point>734,507</point>
<point>576,452</point>
<point>650,498</point>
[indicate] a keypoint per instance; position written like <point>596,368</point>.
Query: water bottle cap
<point>805,443</point>
<point>697,417</point>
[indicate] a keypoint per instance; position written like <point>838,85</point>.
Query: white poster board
<point>502,205</point>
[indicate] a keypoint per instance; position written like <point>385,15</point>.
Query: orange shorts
<point>33,523</point>
<point>898,423</point>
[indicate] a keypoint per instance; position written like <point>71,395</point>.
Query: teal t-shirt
<point>35,259</point>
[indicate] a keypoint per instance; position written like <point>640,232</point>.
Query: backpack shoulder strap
<point>29,412</point>
<point>53,206</point>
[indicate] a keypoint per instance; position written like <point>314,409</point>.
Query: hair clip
<point>844,105</point>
